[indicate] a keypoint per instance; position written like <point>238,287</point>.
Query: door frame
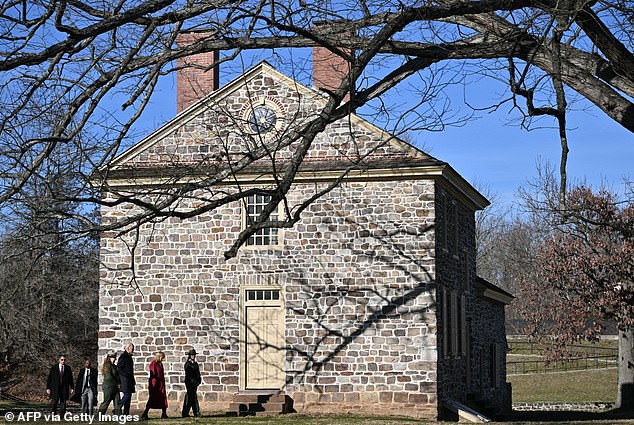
<point>244,303</point>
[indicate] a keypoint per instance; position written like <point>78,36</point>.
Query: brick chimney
<point>329,69</point>
<point>197,75</point>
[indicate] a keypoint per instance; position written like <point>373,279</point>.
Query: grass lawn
<point>580,386</point>
<point>301,419</point>
<point>522,418</point>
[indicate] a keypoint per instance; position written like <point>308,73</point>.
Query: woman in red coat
<point>156,387</point>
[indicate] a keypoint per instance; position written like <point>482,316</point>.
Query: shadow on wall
<point>380,302</point>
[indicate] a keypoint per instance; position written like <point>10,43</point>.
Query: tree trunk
<point>625,394</point>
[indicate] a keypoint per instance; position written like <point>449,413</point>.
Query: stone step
<point>249,404</point>
<point>258,398</point>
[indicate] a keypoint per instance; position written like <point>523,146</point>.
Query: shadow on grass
<point>559,416</point>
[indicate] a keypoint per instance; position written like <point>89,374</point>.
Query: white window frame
<point>257,240</point>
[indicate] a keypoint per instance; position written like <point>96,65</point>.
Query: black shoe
<point>164,416</point>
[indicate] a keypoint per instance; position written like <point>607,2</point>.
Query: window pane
<point>255,206</point>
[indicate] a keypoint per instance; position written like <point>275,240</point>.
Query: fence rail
<point>584,357</point>
<point>526,347</point>
<point>577,363</point>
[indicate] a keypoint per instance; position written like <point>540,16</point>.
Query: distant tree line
<point>570,265</point>
<point>48,281</point>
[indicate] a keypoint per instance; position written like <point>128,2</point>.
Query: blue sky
<point>504,157</point>
<point>491,148</point>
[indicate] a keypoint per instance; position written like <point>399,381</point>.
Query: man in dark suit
<point>192,381</point>
<point>126,376</point>
<point>59,385</point>
<point>86,387</point>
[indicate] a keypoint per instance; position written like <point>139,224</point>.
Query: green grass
<point>561,387</point>
<point>7,404</point>
<point>572,387</point>
<point>289,419</point>
<point>520,418</point>
<point>301,419</point>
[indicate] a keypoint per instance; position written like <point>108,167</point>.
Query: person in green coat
<point>192,381</point>
<point>110,385</point>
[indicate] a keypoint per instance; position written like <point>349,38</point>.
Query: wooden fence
<point>584,357</point>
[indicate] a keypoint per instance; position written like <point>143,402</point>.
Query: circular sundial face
<point>262,119</point>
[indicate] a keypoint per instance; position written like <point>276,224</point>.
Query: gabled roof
<point>398,160</point>
<point>262,68</point>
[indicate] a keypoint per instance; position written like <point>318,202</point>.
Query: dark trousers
<point>125,402</point>
<point>60,401</point>
<point>191,401</point>
<point>110,394</point>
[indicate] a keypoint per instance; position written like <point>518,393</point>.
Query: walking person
<point>156,387</point>
<point>86,387</point>
<point>192,381</point>
<point>125,365</point>
<point>110,385</point>
<point>59,385</point>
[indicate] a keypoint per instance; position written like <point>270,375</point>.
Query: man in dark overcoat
<point>192,381</point>
<point>59,385</point>
<point>126,377</point>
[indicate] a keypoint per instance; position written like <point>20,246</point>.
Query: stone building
<point>370,303</point>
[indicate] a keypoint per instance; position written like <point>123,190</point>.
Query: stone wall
<point>490,388</point>
<point>455,260</point>
<point>357,275</point>
<point>464,376</point>
<point>597,406</point>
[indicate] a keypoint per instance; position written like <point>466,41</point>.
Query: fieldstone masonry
<point>360,325</point>
<point>360,275</point>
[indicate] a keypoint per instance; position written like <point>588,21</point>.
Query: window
<point>493,366</point>
<point>464,326</point>
<point>452,235</point>
<point>456,223</point>
<point>454,324</point>
<point>446,319</point>
<point>456,330</point>
<point>255,206</point>
<point>263,294</point>
<point>443,222</point>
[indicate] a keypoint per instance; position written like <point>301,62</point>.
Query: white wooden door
<point>264,342</point>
